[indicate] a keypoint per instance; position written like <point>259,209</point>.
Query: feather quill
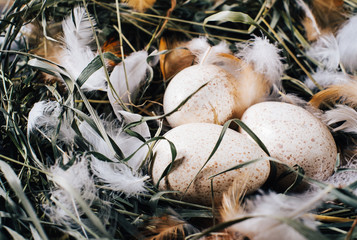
<point>77,54</point>
<point>346,37</point>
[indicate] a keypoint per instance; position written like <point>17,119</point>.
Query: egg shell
<point>194,143</point>
<point>214,103</point>
<point>294,136</point>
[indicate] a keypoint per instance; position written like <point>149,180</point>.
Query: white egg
<point>194,143</point>
<point>214,103</point>
<point>294,136</point>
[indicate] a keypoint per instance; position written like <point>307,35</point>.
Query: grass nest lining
<point>75,150</point>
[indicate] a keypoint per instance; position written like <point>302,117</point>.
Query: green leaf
<point>154,200</point>
<point>94,66</point>
<point>239,166</point>
<point>14,235</point>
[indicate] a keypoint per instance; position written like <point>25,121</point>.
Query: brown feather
<point>140,5</point>
<point>176,60</point>
<point>329,16</point>
<point>46,48</point>
<point>232,206</point>
<point>112,46</point>
<point>167,227</point>
<point>345,93</point>
<point>251,88</point>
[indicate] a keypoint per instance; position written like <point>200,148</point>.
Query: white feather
<point>207,54</point>
<point>132,71</point>
<point>266,209</point>
<point>77,54</point>
<point>80,180</point>
<point>326,51</point>
<point>293,99</point>
<point>346,38</point>
<point>127,117</point>
<point>344,114</point>
<point>117,176</point>
<point>264,57</point>
<point>198,47</point>
<point>326,78</point>
<point>45,116</point>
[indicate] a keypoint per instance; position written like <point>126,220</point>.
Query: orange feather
<point>329,15</point>
<point>168,227</point>
<point>176,60</point>
<point>252,88</point>
<point>140,5</point>
<point>345,93</point>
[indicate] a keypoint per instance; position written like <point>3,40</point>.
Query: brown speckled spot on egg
<point>310,145</point>
<point>196,147</point>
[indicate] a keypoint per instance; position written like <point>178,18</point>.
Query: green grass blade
<point>15,184</point>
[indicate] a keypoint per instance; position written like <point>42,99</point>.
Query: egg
<point>294,136</point>
<point>214,103</point>
<point>194,143</point>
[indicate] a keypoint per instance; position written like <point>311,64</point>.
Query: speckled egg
<point>294,136</point>
<point>214,103</point>
<point>194,143</point>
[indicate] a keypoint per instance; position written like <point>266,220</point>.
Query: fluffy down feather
<point>45,115</point>
<point>118,176</point>
<point>326,51</point>
<point>264,57</point>
<point>326,78</point>
<point>260,70</point>
<point>81,181</point>
<point>219,55</point>
<point>346,38</point>
<point>265,211</point>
